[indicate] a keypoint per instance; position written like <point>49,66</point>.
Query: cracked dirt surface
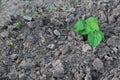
<point>37,41</point>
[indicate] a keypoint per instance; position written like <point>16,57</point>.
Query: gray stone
<point>50,31</point>
<point>111,19</point>
<point>86,47</point>
<point>13,75</point>
<point>113,41</point>
<point>70,38</point>
<point>27,64</point>
<point>98,65</point>
<point>88,77</point>
<point>4,18</point>
<point>114,72</point>
<point>22,76</point>
<point>21,36</point>
<point>38,72</point>
<point>56,32</point>
<point>27,18</point>
<point>72,9</point>
<point>79,76</point>
<point>65,49</point>
<point>115,78</point>
<point>117,29</point>
<point>106,78</point>
<point>42,38</point>
<point>115,49</point>
<point>11,27</point>
<point>103,17</point>
<point>2,70</point>
<point>57,53</point>
<point>25,44</point>
<point>4,34</point>
<point>116,11</point>
<point>30,24</point>
<point>51,46</point>
<point>14,56</point>
<point>58,69</point>
<point>108,57</point>
<point>52,78</point>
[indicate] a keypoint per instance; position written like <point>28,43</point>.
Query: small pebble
<point>51,46</point>
<point>98,65</point>
<point>4,34</point>
<point>58,68</point>
<point>86,47</point>
<point>13,56</point>
<point>56,32</point>
<point>27,18</point>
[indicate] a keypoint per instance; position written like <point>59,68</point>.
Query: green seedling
<point>67,28</point>
<point>18,24</point>
<point>36,11</point>
<point>45,15</point>
<point>19,11</point>
<point>30,0</point>
<point>90,28</point>
<point>3,3</point>
<point>52,7</point>
<point>10,43</point>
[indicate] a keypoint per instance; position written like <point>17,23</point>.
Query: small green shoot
<point>18,12</point>
<point>36,11</point>
<point>30,0</point>
<point>18,24</point>
<point>52,7</point>
<point>90,28</point>
<point>45,15</point>
<point>3,3</point>
<point>21,11</point>
<point>10,43</point>
<point>67,28</point>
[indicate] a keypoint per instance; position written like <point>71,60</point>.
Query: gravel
<point>4,34</point>
<point>57,33</point>
<point>45,46</point>
<point>86,48</point>
<point>58,69</point>
<point>98,65</point>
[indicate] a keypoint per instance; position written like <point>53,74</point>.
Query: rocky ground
<point>37,41</point>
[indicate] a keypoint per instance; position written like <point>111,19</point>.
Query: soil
<point>37,40</point>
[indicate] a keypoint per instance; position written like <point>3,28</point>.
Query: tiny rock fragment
<point>14,56</point>
<point>56,32</point>
<point>51,46</point>
<point>98,65</point>
<point>58,68</point>
<point>115,78</point>
<point>4,34</point>
<point>17,61</point>
<point>88,77</point>
<point>27,18</point>
<point>26,44</point>
<point>42,39</point>
<point>113,72</point>
<point>86,47</point>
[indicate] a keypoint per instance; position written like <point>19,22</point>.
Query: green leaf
<point>10,43</point>
<point>101,33</point>
<point>79,26</point>
<point>83,32</point>
<point>91,24</point>
<point>94,38</point>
